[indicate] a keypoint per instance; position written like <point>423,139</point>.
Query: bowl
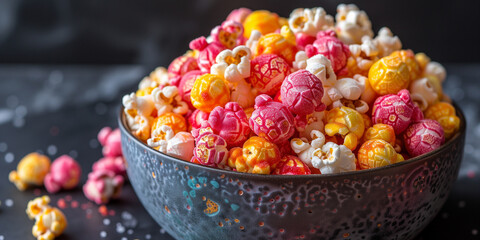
<point>191,201</point>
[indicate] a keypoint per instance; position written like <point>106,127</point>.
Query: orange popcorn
<point>291,165</point>
<point>281,44</point>
<point>31,170</point>
<point>408,57</point>
<point>389,75</point>
<point>381,131</point>
<point>235,156</point>
<point>377,153</point>
<point>261,20</point>
<point>260,156</point>
<point>208,92</point>
<point>444,113</point>
<point>175,121</point>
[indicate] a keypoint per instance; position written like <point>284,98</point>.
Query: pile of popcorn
<point>308,94</point>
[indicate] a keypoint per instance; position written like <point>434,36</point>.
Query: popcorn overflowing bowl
<point>303,127</point>
<point>192,201</point>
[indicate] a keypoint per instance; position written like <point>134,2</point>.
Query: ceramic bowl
<point>196,202</point>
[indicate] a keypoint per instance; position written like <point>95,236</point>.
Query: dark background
<point>152,33</point>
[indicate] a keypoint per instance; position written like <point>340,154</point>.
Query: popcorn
<point>175,121</point>
<point>260,156</point>
<point>261,20</point>
<point>138,111</point>
<point>368,95</point>
<point>332,48</point>
<point>423,136</point>
<point>210,149</point>
<point>159,76</point>
<point>321,67</point>
<point>209,91</point>
<point>50,222</point>
<point>239,15</point>
<point>300,60</point>
<point>111,142</point>
<point>271,120</point>
<point>168,100</point>
<point>302,93</point>
<point>310,21</point>
<point>268,72</point>
<point>352,24</point>
<point>235,156</point>
<point>408,57</point>
<point>112,164</point>
<point>102,186</point>
<point>186,84</point>
<point>377,153</point>
<point>333,158</point>
<point>435,69</point>
<point>179,67</point>
<point>31,170</point>
<point>291,165</point>
<point>380,131</point>
<point>347,123</point>
<point>281,44</point>
<point>304,149</point>
<point>363,56</point>
<point>444,113</point>
<point>349,88</point>
<point>389,75</point>
<point>423,93</point>
<point>314,122</point>
<point>229,34</point>
<point>233,65</point>
<point>303,39</point>
<point>230,123</point>
<point>386,43</point>
<point>178,145</point>
<point>206,52</point>
<point>160,135</point>
<point>64,174</point>
<point>397,111</point>
<point>196,119</point>
<point>243,94</point>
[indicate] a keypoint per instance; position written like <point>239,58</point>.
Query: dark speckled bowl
<point>196,202</point>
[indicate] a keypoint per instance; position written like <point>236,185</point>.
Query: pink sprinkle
<point>84,206</point>
<point>111,212</point>
<point>74,204</point>
<point>103,210</point>
<point>68,198</point>
<point>61,203</point>
<point>37,191</point>
<point>471,174</point>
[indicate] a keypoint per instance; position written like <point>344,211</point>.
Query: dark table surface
<point>58,110</point>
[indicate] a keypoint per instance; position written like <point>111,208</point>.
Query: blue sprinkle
<point>214,184</point>
<point>235,207</point>
<point>202,179</point>
<point>185,193</point>
<point>226,200</point>
<point>192,193</point>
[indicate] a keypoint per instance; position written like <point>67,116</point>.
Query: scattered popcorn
<point>103,185</point>
<point>31,171</point>
<point>113,164</point>
<point>50,222</point>
<point>64,174</point>
<point>111,142</point>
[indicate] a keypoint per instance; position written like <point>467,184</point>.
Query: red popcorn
<point>291,165</point>
<point>229,34</point>
<point>331,47</point>
<point>179,67</point>
<point>196,119</point>
<point>111,142</point>
<point>102,186</point>
<point>207,52</point>
<point>268,72</point>
<point>397,111</point>
<point>113,164</point>
<point>64,174</point>
<point>423,136</point>
<point>302,93</point>
<point>210,149</point>
<point>230,123</point>
<point>271,120</point>
<point>303,40</point>
<point>186,84</point>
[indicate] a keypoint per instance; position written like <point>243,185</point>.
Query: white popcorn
<point>310,21</point>
<point>386,43</point>
<point>349,88</point>
<point>160,75</point>
<point>159,138</point>
<point>423,93</point>
<point>168,100</point>
<point>147,82</point>
<point>333,158</point>
<point>300,60</point>
<point>181,146</point>
<point>368,94</point>
<point>364,54</point>
<point>314,123</point>
<point>138,111</point>
<point>435,69</point>
<point>352,24</point>
<point>305,150</point>
<point>251,43</point>
<point>321,67</point>
<point>233,65</point>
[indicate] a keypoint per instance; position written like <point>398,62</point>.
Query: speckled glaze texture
<point>197,202</point>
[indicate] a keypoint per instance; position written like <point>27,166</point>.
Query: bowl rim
<point>460,134</point>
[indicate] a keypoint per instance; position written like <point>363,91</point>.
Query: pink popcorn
<point>64,174</point>
<point>302,93</point>
<point>397,111</point>
<point>102,186</point>
<point>271,120</point>
<point>113,164</point>
<point>332,48</point>
<point>303,40</point>
<point>267,73</point>
<point>111,142</point>
<point>229,34</point>
<point>179,67</point>
<point>210,149</point>
<point>196,118</point>
<point>207,52</point>
<point>186,84</point>
<point>230,123</point>
<point>423,136</point>
<point>239,15</point>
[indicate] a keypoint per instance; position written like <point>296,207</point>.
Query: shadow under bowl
<point>191,201</point>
